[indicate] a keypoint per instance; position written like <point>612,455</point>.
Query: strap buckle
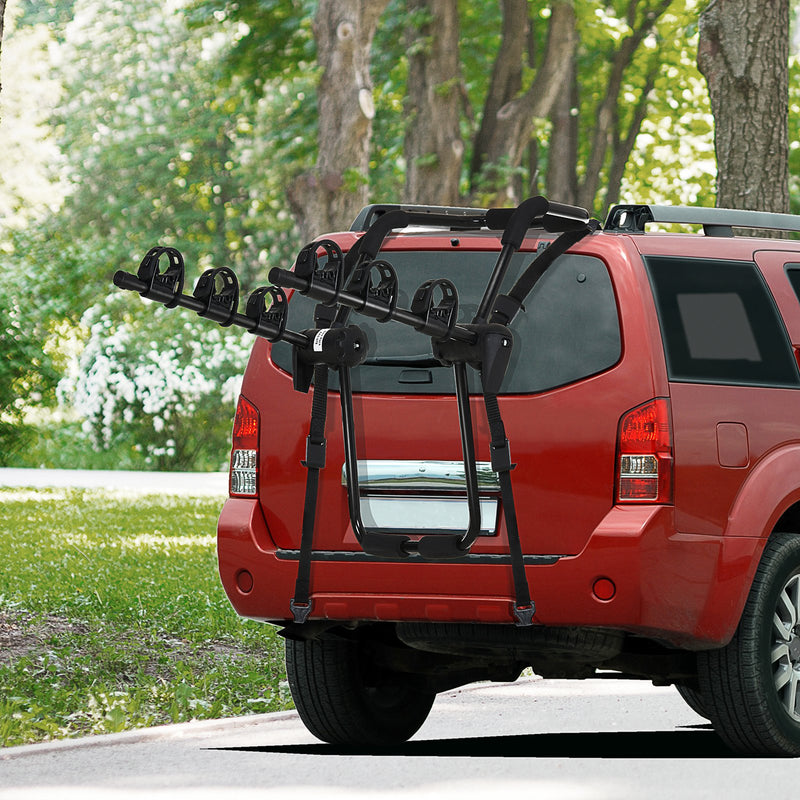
<point>315,454</point>
<point>501,456</point>
<point>300,611</point>
<point>524,614</point>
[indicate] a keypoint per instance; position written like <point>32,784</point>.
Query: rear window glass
<point>720,324</point>
<point>568,331</point>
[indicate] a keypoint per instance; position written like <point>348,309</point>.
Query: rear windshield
<point>568,331</point>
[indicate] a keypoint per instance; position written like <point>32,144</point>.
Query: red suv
<point>644,521</point>
<point>652,404</point>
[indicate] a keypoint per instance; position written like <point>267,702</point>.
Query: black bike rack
<point>360,282</point>
<point>216,296</point>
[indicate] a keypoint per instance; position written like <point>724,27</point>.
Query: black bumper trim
<point>361,557</point>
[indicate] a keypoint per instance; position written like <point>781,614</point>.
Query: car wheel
<point>342,699</point>
<point>750,687</point>
<point>693,698</point>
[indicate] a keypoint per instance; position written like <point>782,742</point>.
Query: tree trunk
<point>329,197</point>
<point>506,80</point>
<point>533,176</point>
<point>433,145</point>
<point>743,53</point>
<point>562,177</point>
<point>512,126</point>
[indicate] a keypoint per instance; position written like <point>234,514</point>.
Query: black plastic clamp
<point>167,286</point>
<point>489,353</point>
<point>269,318</point>
<point>324,281</point>
<point>218,290</point>
<point>375,282</point>
<point>439,318</point>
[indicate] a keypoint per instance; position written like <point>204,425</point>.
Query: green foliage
<point>674,158</point>
<point>54,13</point>
<point>158,151</point>
<point>50,441</point>
<point>275,38</point>
<point>186,123</point>
<point>389,70</point>
<point>148,118</point>
<point>669,162</point>
<point>118,620</point>
<point>24,372</point>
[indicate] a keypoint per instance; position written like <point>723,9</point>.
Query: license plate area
<point>425,496</point>
<point>426,514</point>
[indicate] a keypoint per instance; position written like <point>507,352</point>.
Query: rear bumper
<point>634,574</point>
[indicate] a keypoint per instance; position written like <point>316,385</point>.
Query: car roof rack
<point>715,221</point>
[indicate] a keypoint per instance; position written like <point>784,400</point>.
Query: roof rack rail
<point>439,216</point>
<point>715,221</point>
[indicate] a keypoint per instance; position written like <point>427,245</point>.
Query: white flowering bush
<point>160,381</point>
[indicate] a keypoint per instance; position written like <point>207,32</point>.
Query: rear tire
<point>693,698</point>
<point>343,699</point>
<point>750,687</point>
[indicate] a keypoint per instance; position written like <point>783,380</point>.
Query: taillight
<point>644,454</point>
<point>244,454</point>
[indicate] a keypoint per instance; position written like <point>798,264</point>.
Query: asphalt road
<point>598,739</point>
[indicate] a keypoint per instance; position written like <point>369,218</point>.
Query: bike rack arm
<point>515,225</point>
<point>126,280</point>
<point>430,326</point>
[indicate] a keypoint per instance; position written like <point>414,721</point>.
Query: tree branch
<point>621,60</point>
<point>516,120</point>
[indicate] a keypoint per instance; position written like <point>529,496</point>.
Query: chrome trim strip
<point>427,476</point>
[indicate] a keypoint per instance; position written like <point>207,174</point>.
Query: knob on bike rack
<point>324,281</point>
<point>218,290</point>
<point>439,317</point>
<point>166,286</point>
<point>269,318</point>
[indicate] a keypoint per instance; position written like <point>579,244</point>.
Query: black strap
<point>508,305</point>
<point>524,607</point>
<point>300,604</point>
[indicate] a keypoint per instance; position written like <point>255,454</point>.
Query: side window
<point>719,323</point>
<point>793,273</point>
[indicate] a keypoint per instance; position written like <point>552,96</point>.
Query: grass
<point>112,617</point>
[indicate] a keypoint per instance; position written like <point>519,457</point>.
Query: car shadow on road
<point>690,742</point>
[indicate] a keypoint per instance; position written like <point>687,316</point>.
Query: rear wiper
<point>403,361</point>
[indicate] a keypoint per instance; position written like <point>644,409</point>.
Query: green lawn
<point>112,617</point>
